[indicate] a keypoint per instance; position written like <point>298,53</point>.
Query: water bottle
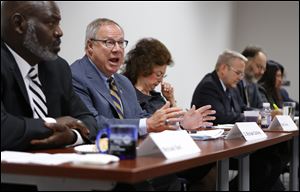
<point>265,116</point>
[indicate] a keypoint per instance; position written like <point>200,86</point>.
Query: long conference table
<point>70,176</point>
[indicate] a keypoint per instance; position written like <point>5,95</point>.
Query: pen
<point>275,106</point>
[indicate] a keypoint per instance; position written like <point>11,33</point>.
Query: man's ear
<point>89,47</point>
<point>19,23</point>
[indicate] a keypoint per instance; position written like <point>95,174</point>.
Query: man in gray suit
<point>255,68</point>
<point>92,77</point>
<point>104,49</point>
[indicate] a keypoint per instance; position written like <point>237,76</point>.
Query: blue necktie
<point>229,96</point>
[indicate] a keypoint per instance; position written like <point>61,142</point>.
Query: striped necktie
<point>38,97</point>
<point>115,97</point>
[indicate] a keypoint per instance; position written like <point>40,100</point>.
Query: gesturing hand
<point>194,119</point>
<point>164,119</point>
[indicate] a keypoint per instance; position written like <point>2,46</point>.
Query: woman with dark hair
<point>271,91</point>
<point>271,85</point>
<point>146,66</point>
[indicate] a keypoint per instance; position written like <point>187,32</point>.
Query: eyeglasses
<point>160,74</point>
<point>238,73</point>
<point>110,43</point>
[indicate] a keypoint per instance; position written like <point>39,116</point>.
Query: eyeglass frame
<point>122,44</point>
<point>238,73</point>
<point>160,74</point>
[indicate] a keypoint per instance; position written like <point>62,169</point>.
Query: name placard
<point>171,144</point>
<point>283,123</point>
<point>249,130</point>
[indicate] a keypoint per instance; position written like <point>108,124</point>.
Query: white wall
<point>195,33</point>
<point>275,27</point>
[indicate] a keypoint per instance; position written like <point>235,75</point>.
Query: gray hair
<point>227,56</point>
<point>93,28</point>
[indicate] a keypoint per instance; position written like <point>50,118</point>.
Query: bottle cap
<point>266,104</point>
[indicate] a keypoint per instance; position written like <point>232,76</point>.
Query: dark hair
<point>268,81</point>
<point>147,54</point>
<point>251,51</point>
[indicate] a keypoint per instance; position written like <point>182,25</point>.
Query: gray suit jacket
<point>254,97</point>
<point>94,92</point>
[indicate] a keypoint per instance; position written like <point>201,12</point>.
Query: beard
<point>251,78</point>
<point>31,42</point>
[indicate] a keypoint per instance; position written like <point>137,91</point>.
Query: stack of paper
<point>223,126</point>
<point>205,135</point>
<point>56,159</point>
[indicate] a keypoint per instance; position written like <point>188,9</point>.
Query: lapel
<point>224,97</point>
<point>13,67</point>
<point>98,83</point>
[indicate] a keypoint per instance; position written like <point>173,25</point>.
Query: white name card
<point>250,131</point>
<point>171,144</point>
<point>283,123</point>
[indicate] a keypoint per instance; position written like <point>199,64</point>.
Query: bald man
<point>55,116</point>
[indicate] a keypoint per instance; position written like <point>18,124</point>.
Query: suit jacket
<point>210,92</point>
<point>18,127</point>
<point>254,97</point>
<point>95,94</point>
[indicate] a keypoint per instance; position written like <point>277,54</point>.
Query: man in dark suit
<point>30,39</point>
<point>218,88</point>
<point>255,68</point>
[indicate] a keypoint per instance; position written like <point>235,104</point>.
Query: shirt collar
<point>22,64</point>
<point>102,76</point>
<point>223,85</point>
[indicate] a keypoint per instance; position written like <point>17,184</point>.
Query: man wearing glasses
<point>255,68</point>
<point>217,88</point>
<point>111,97</point>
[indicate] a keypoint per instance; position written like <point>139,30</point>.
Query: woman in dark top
<point>145,67</point>
<point>271,89</point>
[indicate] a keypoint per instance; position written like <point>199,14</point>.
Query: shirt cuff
<point>79,139</point>
<point>143,127</point>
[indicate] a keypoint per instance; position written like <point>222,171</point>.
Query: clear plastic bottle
<point>265,115</point>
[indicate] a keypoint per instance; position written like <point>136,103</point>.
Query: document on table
<point>223,126</point>
<point>56,159</point>
<point>206,135</point>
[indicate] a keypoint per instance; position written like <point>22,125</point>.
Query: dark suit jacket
<point>210,92</point>
<point>18,127</point>
<point>254,97</point>
<point>95,94</point>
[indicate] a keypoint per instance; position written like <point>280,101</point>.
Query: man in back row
<point>219,90</point>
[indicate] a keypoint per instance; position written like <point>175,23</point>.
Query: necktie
<point>116,97</point>
<point>228,94</point>
<point>38,97</point>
